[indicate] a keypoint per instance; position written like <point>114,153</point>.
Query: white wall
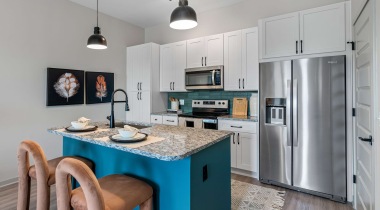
<point>239,16</point>
<point>43,33</point>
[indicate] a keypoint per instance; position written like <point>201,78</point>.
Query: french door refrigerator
<point>303,125</point>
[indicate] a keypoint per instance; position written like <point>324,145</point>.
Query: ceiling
<point>148,13</point>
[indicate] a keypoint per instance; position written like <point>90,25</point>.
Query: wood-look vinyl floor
<point>8,197</point>
<point>293,200</point>
<point>299,201</point>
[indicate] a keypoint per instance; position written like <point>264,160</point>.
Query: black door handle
<point>205,61</point>
<point>296,47</point>
<point>239,83</point>
<point>202,61</point>
<point>301,46</point>
<point>366,139</point>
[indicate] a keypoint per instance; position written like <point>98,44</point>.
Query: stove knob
<point>219,103</point>
<point>223,103</point>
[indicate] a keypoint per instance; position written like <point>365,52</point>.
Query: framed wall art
<point>64,87</point>
<point>99,87</point>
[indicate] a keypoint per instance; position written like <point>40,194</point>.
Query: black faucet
<point>112,117</point>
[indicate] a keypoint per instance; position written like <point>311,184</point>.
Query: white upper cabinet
<point>323,29</point>
<point>143,65</point>
<point>250,59</point>
<point>172,67</point>
<point>241,60</point>
<point>214,50</point>
<point>313,31</point>
<point>205,51</point>
<point>280,35</point>
<point>232,60</point>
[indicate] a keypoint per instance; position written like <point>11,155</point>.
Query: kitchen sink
<point>121,125</point>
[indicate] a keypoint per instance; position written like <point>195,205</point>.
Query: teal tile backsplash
<point>208,95</point>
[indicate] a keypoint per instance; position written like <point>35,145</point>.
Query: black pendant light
<point>183,17</point>
<point>97,41</point>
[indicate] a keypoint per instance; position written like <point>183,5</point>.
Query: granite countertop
<point>165,113</point>
<point>239,118</point>
<point>178,143</point>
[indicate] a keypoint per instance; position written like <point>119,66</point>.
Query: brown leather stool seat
<point>52,165</point>
<point>43,171</point>
<point>114,192</point>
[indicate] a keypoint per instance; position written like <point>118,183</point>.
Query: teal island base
<point>200,181</point>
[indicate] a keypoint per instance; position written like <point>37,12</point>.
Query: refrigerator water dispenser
<point>276,111</point>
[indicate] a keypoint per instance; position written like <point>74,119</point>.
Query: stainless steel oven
<point>204,78</point>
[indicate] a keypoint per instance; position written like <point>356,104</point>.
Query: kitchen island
<point>188,168</point>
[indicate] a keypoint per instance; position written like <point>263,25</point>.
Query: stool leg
<point>147,205</point>
<point>23,193</point>
<point>43,196</point>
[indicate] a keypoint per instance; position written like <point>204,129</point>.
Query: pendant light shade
<point>97,41</point>
<point>183,17</point>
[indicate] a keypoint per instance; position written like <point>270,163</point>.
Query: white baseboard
<point>8,182</point>
<point>244,173</point>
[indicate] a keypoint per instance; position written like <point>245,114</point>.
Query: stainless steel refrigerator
<point>303,125</point>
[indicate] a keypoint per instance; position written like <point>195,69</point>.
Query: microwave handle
<point>213,77</point>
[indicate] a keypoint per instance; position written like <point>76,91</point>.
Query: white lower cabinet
<point>164,120</point>
<point>244,144</point>
<point>156,119</point>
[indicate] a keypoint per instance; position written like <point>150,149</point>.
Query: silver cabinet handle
<point>288,127</point>
<point>238,138</point>
<point>233,126</point>
<point>295,113</point>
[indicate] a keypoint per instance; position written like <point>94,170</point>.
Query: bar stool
<point>43,171</point>
<point>114,192</point>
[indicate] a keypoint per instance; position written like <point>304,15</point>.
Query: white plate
<point>87,128</point>
<point>136,138</point>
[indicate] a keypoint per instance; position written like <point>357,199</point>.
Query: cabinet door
<point>134,107</point>
<point>166,68</point>
<point>145,107</point>
<point>250,57</point>
<point>214,50</point>
<point>232,61</point>
<point>233,150</point>
<point>323,29</point>
<point>145,59</point>
<point>195,53</point>
<point>132,67</point>
<point>247,152</point>
<point>280,35</point>
<point>179,66</point>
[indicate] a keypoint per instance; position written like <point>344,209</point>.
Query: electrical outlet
<point>205,173</point>
<point>181,102</point>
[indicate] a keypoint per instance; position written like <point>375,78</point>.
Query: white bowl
<point>79,125</point>
<point>128,133</point>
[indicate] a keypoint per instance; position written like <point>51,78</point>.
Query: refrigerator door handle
<point>295,113</point>
<point>288,126</point>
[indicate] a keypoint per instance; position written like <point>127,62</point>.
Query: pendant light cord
<point>97,13</point>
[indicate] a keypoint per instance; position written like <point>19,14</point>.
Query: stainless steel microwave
<point>205,78</point>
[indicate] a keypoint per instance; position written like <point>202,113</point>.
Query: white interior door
<point>363,30</point>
